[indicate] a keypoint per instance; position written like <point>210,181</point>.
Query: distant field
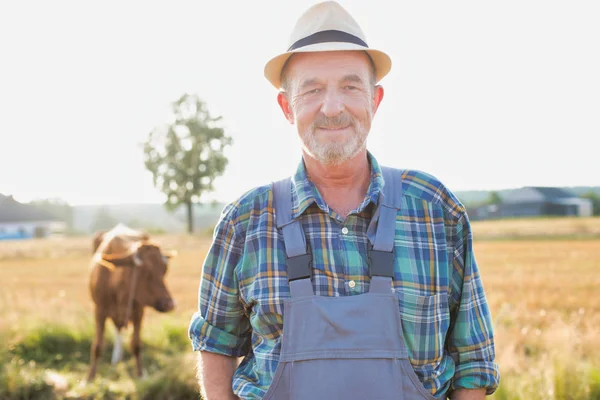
<point>543,295</point>
<point>538,228</point>
<point>525,228</point>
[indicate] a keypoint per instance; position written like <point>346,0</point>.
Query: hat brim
<point>382,62</point>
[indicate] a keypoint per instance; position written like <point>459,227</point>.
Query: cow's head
<point>152,266</point>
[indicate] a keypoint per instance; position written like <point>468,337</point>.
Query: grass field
<point>542,280</point>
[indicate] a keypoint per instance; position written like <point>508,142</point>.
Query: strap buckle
<point>299,267</point>
<point>381,263</point>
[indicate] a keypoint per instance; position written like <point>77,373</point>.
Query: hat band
<point>327,36</point>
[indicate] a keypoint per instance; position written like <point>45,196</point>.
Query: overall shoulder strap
<point>392,188</point>
<point>298,260</point>
<point>389,204</point>
<point>293,235</point>
<point>381,255</point>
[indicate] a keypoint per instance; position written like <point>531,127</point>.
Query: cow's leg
<point>117,354</point>
<point>136,343</point>
<point>98,343</point>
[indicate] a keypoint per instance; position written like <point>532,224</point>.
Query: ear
<point>377,97</point>
<point>282,99</point>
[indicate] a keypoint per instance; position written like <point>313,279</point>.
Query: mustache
<point>339,121</point>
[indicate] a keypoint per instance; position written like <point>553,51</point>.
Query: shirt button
<point>351,284</point>
<point>345,230</point>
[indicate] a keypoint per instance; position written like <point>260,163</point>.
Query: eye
<point>314,91</point>
<point>350,87</point>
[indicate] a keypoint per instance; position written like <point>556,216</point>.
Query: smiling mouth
<point>338,128</point>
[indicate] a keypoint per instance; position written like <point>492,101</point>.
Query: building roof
<point>13,211</point>
<point>554,193</point>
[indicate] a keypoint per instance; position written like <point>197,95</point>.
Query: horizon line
<point>221,201</point>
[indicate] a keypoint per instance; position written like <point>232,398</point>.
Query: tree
<point>56,207</point>
<point>103,220</point>
<point>595,198</point>
<point>494,198</point>
<point>186,155</point>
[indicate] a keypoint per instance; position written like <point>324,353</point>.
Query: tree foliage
<point>595,198</point>
<point>494,198</point>
<point>103,220</point>
<point>187,155</point>
<point>56,207</point>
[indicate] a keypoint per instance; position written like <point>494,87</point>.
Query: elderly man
<point>348,280</point>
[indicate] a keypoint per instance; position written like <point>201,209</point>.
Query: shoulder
<point>250,202</point>
<point>423,186</point>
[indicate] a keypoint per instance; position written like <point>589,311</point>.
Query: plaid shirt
<point>445,317</point>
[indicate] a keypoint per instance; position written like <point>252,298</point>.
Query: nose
<point>165,305</point>
<point>332,104</point>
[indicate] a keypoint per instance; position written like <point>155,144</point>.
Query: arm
<point>471,338</point>
<point>468,394</point>
<point>220,330</point>
<point>215,373</point>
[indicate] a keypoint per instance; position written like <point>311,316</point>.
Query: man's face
<point>332,100</point>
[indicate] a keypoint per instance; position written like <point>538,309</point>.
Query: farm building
<point>534,201</point>
<point>24,221</point>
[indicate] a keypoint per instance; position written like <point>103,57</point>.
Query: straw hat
<point>326,26</point>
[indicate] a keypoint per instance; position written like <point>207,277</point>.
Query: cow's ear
<point>98,238</point>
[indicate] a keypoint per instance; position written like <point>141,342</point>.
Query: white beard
<point>334,153</point>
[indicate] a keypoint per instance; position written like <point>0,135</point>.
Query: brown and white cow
<point>127,274</point>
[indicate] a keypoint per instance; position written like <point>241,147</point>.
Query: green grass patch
<point>51,361</point>
<point>23,381</point>
<point>176,381</point>
<point>564,380</point>
<point>170,337</point>
<point>576,382</point>
<point>51,346</point>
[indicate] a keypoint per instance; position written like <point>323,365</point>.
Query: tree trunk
<point>190,214</point>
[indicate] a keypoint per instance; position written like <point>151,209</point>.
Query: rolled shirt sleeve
<point>471,340</point>
<point>221,325</point>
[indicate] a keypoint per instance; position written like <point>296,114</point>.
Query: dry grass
<point>543,295</point>
<point>541,228</point>
<point>56,287</point>
<point>544,300</point>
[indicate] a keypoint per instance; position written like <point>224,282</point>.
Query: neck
<point>342,186</point>
<point>344,175</point>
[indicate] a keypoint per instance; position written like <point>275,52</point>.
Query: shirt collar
<point>306,193</point>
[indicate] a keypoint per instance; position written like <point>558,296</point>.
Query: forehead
<point>330,65</point>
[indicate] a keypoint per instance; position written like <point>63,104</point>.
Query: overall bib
<point>349,347</point>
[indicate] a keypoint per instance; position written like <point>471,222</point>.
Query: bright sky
<point>483,95</point>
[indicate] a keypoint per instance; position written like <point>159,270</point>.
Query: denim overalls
<point>349,347</point>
